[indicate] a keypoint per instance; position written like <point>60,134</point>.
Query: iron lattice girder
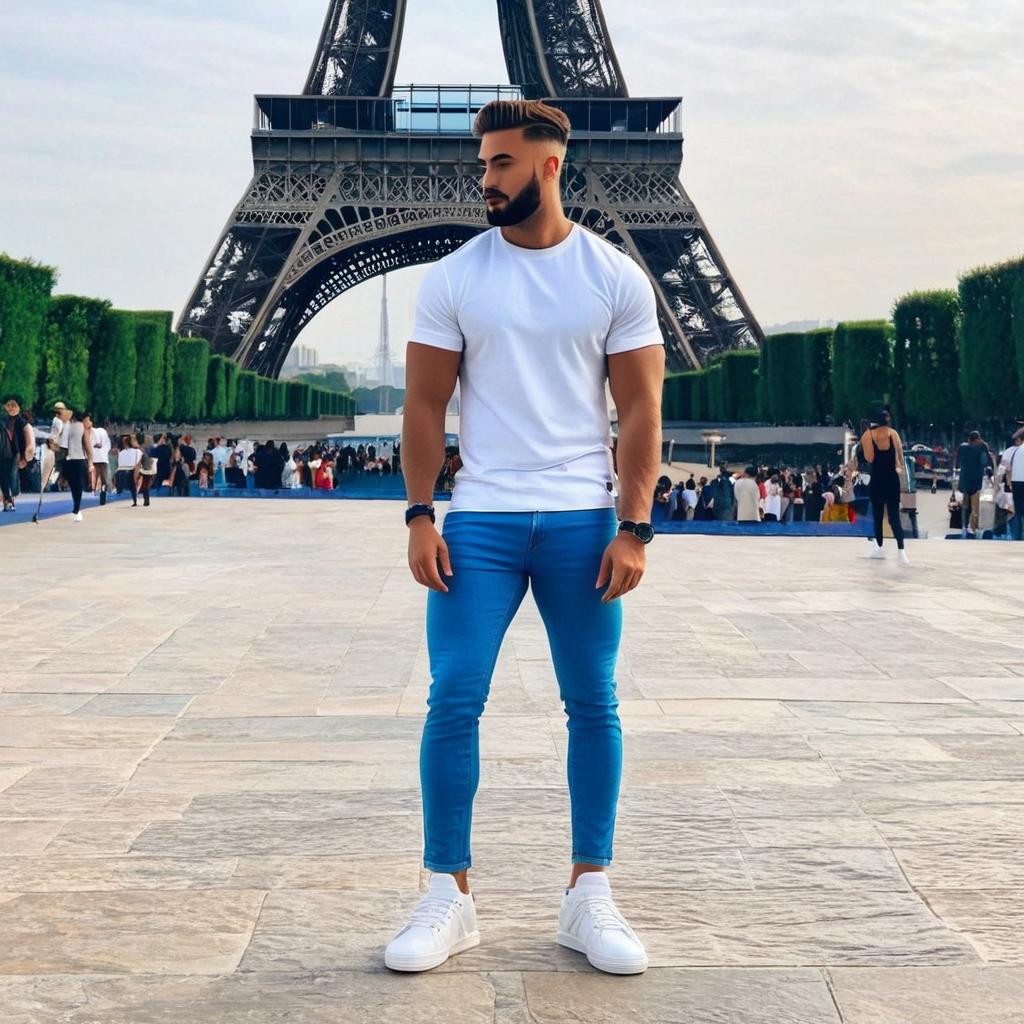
<point>559,48</point>
<point>363,217</point>
<point>358,49</point>
<point>552,48</point>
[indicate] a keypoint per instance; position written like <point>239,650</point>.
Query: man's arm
<point>636,379</point>
<point>430,375</point>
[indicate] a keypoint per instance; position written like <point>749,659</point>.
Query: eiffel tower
<point>356,177</point>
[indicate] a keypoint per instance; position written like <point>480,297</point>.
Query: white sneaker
<point>443,923</point>
<point>590,923</point>
<point>877,551</point>
<point>77,517</point>
<point>902,558</point>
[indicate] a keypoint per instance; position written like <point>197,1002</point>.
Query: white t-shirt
<point>129,458</point>
<point>534,327</point>
<point>100,444</point>
<point>1015,455</point>
<point>748,499</point>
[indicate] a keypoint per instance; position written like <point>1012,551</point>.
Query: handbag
<point>147,465</point>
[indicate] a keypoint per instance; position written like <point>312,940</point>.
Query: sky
<point>841,153</point>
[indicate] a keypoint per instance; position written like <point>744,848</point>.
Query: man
<point>1012,464</point>
<point>541,313</point>
<point>17,447</point>
<point>748,497</point>
<point>57,446</point>
<point>161,451</point>
<point>269,467</point>
<point>724,494</point>
<point>220,458</point>
<point>972,458</point>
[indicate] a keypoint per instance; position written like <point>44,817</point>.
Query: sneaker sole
<point>424,963</point>
<point>632,966</point>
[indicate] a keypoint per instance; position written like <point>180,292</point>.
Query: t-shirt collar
<point>533,254</point>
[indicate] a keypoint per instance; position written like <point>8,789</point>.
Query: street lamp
<point>714,438</point>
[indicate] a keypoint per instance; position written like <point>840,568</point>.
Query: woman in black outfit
<point>883,450</point>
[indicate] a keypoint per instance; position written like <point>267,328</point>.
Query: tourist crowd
<point>77,455</point>
<point>825,494</point>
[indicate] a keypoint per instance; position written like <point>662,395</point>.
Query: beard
<point>516,210</point>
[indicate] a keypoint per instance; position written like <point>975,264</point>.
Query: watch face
<point>644,532</point>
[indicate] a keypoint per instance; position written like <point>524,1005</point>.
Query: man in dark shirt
<point>188,465</point>
<point>269,467</point>
<point>972,459</point>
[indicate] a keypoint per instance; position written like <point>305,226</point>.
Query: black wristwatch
<point>419,510</point>
<point>643,532</point>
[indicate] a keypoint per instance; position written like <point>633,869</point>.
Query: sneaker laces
<point>604,913</point>
<point>432,911</point>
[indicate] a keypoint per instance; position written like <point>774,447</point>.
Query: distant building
<point>301,358</point>
<point>799,326</point>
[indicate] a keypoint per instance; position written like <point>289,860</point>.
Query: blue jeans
<point>494,556</point>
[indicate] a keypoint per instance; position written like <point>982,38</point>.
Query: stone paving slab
<point>209,802</point>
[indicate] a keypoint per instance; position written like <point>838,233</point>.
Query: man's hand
<point>624,561</point>
<point>426,548</point>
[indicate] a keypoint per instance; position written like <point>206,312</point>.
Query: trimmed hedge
<point>25,288</point>
<point>741,372</point>
<point>817,378</point>
<point>989,341</point>
<point>926,360</point>
<point>784,392</point>
<point>861,368</point>
<point>150,348</point>
<point>192,359</point>
<point>217,389</point>
<point>112,367</point>
<point>72,328</point>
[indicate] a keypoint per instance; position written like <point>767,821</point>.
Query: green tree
<point>72,327</point>
<point>217,389</point>
<point>866,367</point>
<point>783,387</point>
<point>740,371</point>
<point>150,346</point>
<point>112,367</point>
<point>25,288</point>
<point>166,412</point>
<point>989,379</point>
<point>190,374</point>
<point>714,383</point>
<point>817,376</point>
<point>926,362</point>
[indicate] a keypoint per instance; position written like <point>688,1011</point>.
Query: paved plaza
<point>209,728</point>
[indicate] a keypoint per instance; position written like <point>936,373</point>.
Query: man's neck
<point>541,230</point>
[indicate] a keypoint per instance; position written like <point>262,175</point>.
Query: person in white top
<point>533,318</point>
<point>220,455</point>
<point>100,462</point>
<point>1012,464</point>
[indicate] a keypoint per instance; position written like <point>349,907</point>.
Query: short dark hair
<point>974,435</point>
<point>539,121</point>
<point>12,397</point>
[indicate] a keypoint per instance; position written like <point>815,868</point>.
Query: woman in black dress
<point>883,450</point>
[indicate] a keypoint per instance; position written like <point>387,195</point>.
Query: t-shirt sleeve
<point>436,321</point>
<point>635,318</point>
